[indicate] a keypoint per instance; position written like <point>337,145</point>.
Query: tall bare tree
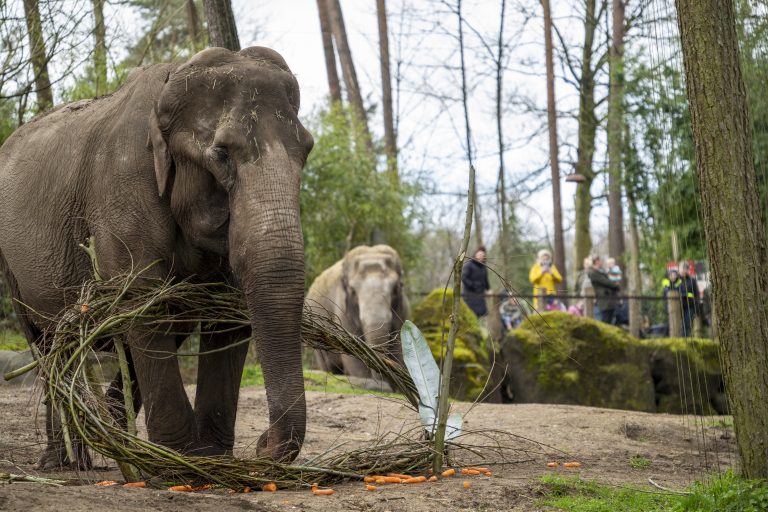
<point>504,235</point>
<point>390,140</point>
<point>559,256</point>
<point>347,64</point>
<point>100,48</point>
<point>193,25</point>
<point>334,87</point>
<point>39,55</point>
<point>729,197</point>
<point>222,30</point>
<point>615,129</point>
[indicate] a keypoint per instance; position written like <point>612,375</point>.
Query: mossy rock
<point>470,358</point>
<point>556,357</point>
<point>687,376</point>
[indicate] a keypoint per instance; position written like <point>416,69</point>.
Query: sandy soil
<point>681,449</point>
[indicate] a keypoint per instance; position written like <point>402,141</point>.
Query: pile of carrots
<point>389,478</point>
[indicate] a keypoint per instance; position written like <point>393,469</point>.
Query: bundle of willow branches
<point>106,310</point>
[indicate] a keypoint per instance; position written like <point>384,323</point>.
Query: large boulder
<point>686,375</point>
<point>561,358</point>
<point>470,358</point>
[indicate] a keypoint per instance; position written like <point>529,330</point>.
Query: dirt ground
<point>680,450</point>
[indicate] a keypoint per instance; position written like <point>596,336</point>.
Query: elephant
<point>196,167</point>
<point>364,292</point>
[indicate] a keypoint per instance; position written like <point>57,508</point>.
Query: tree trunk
<point>729,197</point>
<point>39,57</point>
<point>500,133</point>
<point>635,277</point>
<point>348,66</point>
<point>193,25</point>
<point>559,256</point>
<point>222,30</point>
<point>390,140</point>
<point>467,128</point>
<point>615,128</point>
<point>330,58</point>
<point>585,151</point>
<point>100,48</point>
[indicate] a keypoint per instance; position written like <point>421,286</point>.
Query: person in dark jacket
<point>605,291</point>
<point>474,283</point>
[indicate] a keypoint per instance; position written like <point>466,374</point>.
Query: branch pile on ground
<point>106,310</point>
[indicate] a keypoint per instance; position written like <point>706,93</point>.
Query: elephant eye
<point>220,153</point>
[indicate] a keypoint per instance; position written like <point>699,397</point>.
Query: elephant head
<point>228,153</point>
<point>372,279</point>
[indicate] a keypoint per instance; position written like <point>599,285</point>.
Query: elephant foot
<point>280,451</point>
<point>55,458</point>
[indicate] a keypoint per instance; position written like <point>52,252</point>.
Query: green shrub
<point>727,493</point>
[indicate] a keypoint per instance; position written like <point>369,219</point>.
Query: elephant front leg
<point>218,386</point>
<point>169,416</point>
<point>55,455</point>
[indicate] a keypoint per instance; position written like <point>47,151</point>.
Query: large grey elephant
<point>364,291</point>
<point>196,166</point>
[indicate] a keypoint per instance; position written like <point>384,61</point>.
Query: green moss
<point>569,359</point>
<point>471,363</point>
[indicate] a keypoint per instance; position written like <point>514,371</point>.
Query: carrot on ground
<point>270,487</point>
<point>433,478</point>
<point>370,487</point>
<point>246,489</point>
<point>105,483</point>
<point>369,479</point>
<point>399,475</point>
<point>572,465</point>
<point>466,471</point>
<point>322,492</point>
<point>467,485</point>
<point>481,470</point>
<point>390,480</point>
<point>135,485</point>
<point>181,488</point>
<point>449,472</point>
<point>552,464</point>
<point>415,480</point>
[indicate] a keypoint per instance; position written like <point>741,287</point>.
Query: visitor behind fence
<point>474,283</point>
<point>685,284</point>
<point>544,275</point>
<point>605,290</point>
<point>582,280</point>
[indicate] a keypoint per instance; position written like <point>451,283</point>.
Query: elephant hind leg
<point>329,362</point>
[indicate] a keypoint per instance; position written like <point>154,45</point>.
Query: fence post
<point>635,316</point>
<point>675,314</point>
<point>589,302</point>
<point>697,325</point>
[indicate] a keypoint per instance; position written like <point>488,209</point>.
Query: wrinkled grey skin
<point>197,166</point>
<point>364,290</point>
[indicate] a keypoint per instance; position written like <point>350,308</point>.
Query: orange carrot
<point>466,471</point>
<point>135,485</point>
<point>380,480</point>
<point>322,492</point>
<point>449,472</point>
<point>552,464</point>
<point>400,476</point>
<point>488,473</point>
<point>246,490</point>
<point>433,478</point>
<point>105,483</point>
<point>572,465</point>
<point>203,487</point>
<point>369,479</point>
<point>415,480</point>
<point>480,470</point>
<point>467,485</point>
<point>84,308</point>
<point>270,487</point>
<point>370,487</point>
<point>181,488</point>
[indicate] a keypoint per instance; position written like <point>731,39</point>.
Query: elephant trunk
<point>267,257</point>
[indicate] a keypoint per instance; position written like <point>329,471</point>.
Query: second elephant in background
<point>364,291</point>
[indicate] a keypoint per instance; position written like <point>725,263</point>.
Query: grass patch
<point>639,462</point>
<point>724,422</point>
<point>314,380</point>
<point>727,493</point>
<point>576,495</point>
<point>12,340</point>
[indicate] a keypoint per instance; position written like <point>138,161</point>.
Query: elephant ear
<point>160,151</point>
